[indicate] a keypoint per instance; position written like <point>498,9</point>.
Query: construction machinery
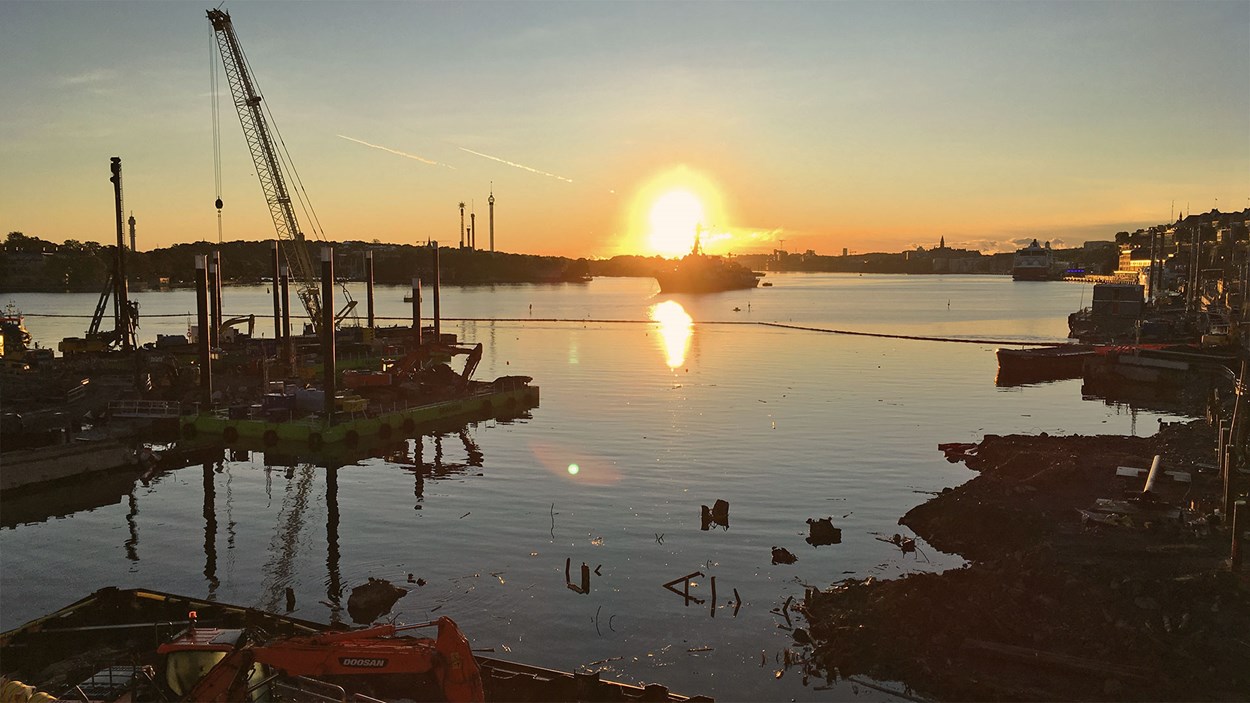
<point>125,311</point>
<point>212,664</point>
<point>269,164</point>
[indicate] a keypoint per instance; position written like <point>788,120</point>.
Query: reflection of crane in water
<point>284,546</point>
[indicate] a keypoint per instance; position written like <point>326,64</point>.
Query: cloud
<point>520,166</point>
<point>395,152</point>
<point>98,75</point>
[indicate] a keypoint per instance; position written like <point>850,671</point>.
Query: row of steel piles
<point>209,315</point>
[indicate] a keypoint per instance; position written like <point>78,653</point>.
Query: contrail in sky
<point>527,168</point>
<point>397,153</point>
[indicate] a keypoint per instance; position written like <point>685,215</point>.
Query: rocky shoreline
<point>1056,604</point>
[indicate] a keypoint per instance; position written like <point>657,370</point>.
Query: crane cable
<point>295,185</point>
<point>215,99</point>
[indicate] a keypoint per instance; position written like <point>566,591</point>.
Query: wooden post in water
<point>202,341</point>
<point>327,331</point>
<point>438,314</point>
<point>369,284</point>
<point>277,301</point>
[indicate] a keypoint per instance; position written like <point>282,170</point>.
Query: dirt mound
<point>1052,608</point>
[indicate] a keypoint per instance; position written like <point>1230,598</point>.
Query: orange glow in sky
<point>860,125</point>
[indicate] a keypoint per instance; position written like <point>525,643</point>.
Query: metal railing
<point>145,408</point>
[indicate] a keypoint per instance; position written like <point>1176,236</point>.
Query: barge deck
<point>499,399</point>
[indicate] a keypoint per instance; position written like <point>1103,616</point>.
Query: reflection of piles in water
<point>210,530</point>
<point>285,543</point>
<point>412,458</point>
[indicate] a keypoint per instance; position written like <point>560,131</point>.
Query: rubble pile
<point>1049,607</point>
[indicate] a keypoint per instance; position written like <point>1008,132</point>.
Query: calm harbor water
<point>641,422</point>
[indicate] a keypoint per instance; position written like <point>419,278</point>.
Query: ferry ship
<point>1033,263</point>
<point>697,272</point>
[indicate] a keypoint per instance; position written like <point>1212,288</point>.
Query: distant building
<point>1098,245</point>
<point>23,270</point>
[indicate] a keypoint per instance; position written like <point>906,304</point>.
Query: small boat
<point>697,272</point>
<point>136,644</point>
<point>1036,364</point>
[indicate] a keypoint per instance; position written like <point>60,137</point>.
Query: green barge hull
<point>352,428</point>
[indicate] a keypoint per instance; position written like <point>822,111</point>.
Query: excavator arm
<point>415,359</point>
<point>343,656</point>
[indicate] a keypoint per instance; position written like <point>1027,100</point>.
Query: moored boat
<point>136,644</point>
<point>1034,364</point>
<point>1033,263</point>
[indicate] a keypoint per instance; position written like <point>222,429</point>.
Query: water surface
<point>645,416</point>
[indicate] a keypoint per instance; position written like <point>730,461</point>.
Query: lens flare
<point>575,464</point>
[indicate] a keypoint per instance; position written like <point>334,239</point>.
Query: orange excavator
<point>211,664</point>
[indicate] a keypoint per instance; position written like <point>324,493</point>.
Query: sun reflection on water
<point>676,328</point>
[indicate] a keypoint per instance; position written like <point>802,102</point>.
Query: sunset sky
<point>615,127</point>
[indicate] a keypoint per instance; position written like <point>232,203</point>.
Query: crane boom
<point>268,167</point>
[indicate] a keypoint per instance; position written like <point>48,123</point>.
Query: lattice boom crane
<point>268,165</point>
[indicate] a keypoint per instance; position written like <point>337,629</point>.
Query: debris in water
<point>371,600</point>
<point>685,592</point>
<point>718,514</point>
<point>822,532</point>
<point>584,587</point>
<point>781,555</point>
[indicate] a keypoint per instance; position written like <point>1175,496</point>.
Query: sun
<point>673,219</point>
<point>667,207</point>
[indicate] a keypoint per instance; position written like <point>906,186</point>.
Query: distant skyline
<point>615,127</point>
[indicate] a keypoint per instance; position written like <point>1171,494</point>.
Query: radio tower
<point>491,200</point>
<point>461,224</point>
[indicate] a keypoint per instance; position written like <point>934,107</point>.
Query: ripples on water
<point>640,424</point>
